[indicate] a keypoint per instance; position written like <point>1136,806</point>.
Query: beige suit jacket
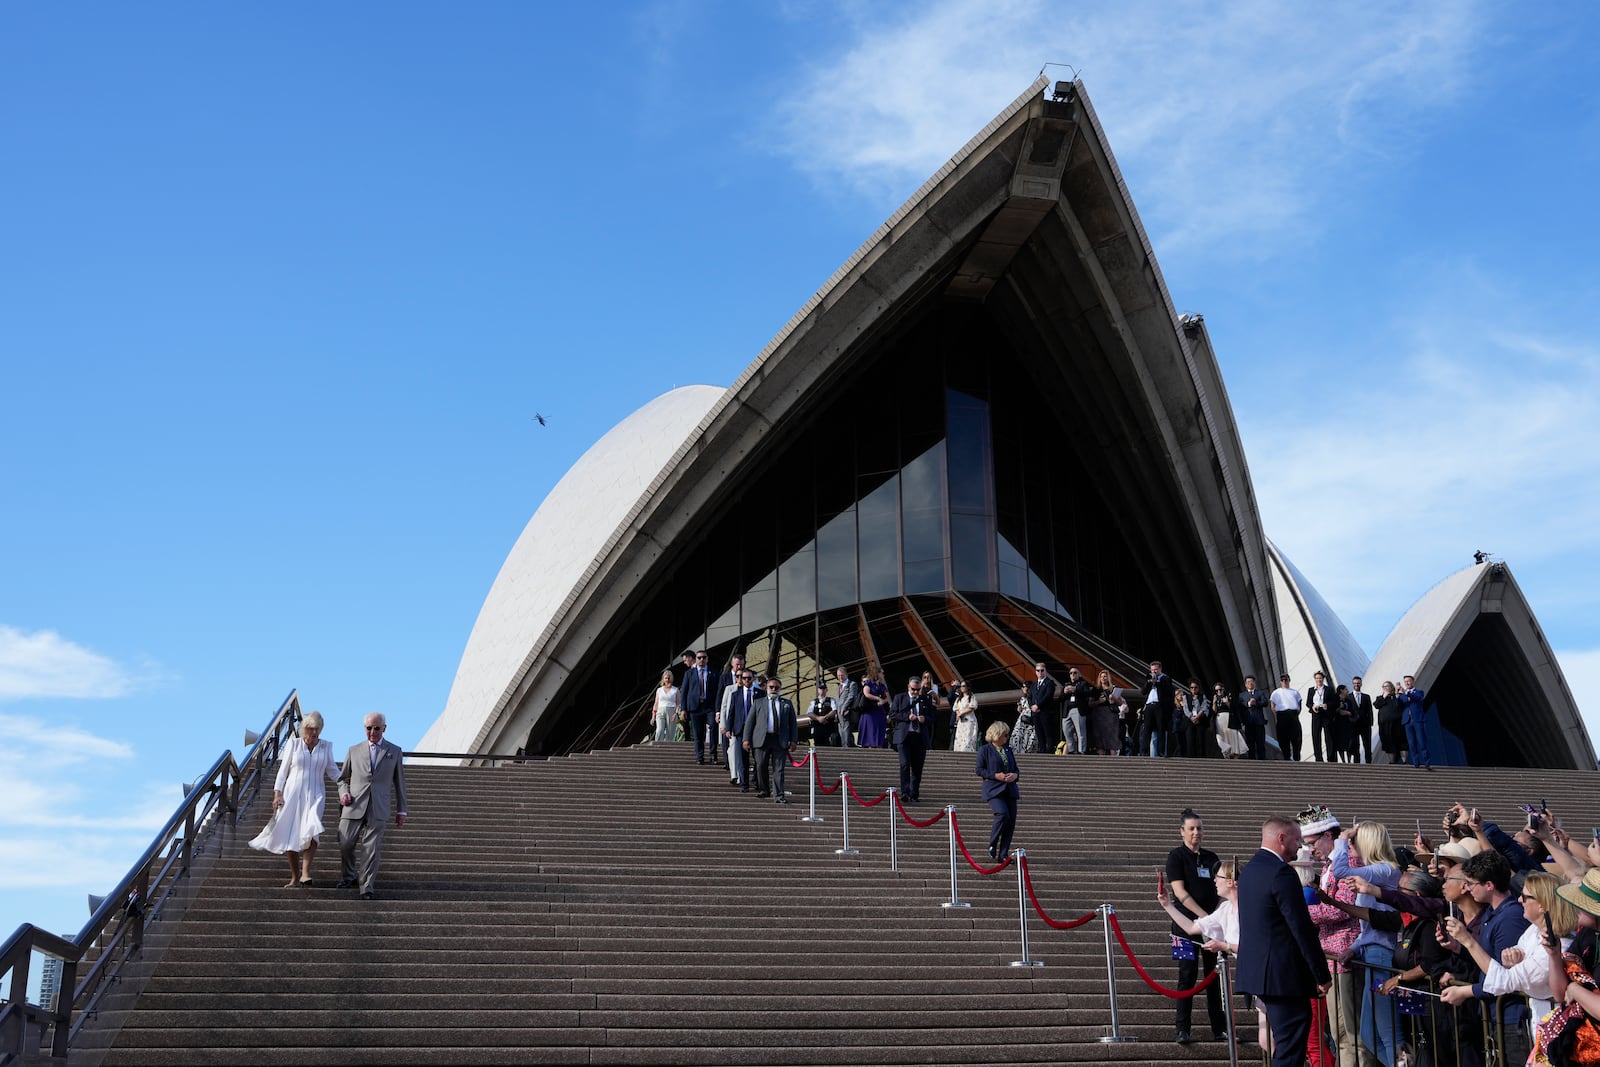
<point>380,790</point>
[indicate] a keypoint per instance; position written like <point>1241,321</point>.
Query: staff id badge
<point>1203,872</point>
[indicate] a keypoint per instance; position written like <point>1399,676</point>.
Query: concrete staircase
<point>628,907</point>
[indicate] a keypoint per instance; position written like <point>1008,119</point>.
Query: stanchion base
<point>955,904</point>
<point>847,852</point>
<point>812,818</point>
<point>1027,963</point>
<point>1109,1040</point>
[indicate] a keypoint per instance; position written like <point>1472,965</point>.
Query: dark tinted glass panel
<point>836,561</point>
<point>925,577</point>
<point>877,539</point>
<point>761,603</point>
<point>922,504</point>
<point>971,552</point>
<point>967,449</point>
<point>1013,572</point>
<point>797,584</point>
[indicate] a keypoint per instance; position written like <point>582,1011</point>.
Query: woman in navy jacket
<point>997,766</point>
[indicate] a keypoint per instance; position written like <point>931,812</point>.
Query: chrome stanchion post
<point>1022,912</point>
<point>811,765</point>
<point>1116,1036</point>
<point>894,826</point>
<point>844,799</point>
<point>955,900</point>
<point>1225,976</point>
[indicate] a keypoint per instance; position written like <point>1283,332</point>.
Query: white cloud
<point>87,863</point>
<point>1231,117</point>
<point>43,664</point>
<point>1478,439</point>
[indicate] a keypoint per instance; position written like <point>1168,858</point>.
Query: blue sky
<point>282,289</point>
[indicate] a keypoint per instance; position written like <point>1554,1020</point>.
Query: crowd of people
<point>1478,947</point>
<point>1072,715</point>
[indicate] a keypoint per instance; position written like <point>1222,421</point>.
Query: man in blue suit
<point>1280,958</point>
<point>1414,715</point>
<point>699,687</point>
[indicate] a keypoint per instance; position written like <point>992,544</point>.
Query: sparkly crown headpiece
<point>1317,819</point>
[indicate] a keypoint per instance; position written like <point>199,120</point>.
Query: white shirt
<point>1222,924</point>
<point>1531,976</point>
<point>1285,699</point>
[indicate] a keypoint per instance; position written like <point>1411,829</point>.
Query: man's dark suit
<point>1046,724</point>
<point>912,723</point>
<point>699,704</point>
<point>1253,706</point>
<point>1361,751</point>
<point>770,744</point>
<point>1280,959</point>
<point>735,709</point>
<point>1322,722</point>
<point>1156,719</point>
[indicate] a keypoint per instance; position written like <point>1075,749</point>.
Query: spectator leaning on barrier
<point>1366,851</point>
<point>1336,930</point>
<point>1192,873</point>
<point>1489,881</point>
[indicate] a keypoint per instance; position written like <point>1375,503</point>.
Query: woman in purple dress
<point>874,708</point>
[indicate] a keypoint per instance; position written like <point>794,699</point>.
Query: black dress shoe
<point>744,789</point>
<point>369,895</point>
<point>781,800</point>
<point>345,883</point>
<point>762,795</point>
<point>1183,1037</point>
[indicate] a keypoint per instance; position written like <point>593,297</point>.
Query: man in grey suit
<point>769,734</point>
<point>848,705</point>
<point>373,783</point>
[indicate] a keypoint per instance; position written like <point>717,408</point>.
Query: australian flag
<point>1410,1002</point>
<point>1182,948</point>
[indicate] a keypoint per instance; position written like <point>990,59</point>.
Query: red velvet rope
<point>874,802</point>
<point>963,846</point>
<point>811,755</point>
<point>824,790</point>
<point>912,821</point>
<point>1175,994</point>
<point>1054,924</point>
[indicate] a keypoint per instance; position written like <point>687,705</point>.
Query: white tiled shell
<point>571,527</point>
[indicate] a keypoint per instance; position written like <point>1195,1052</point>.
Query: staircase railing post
<point>955,900</point>
<point>1022,912</point>
<point>1116,1035</point>
<point>894,827</point>
<point>1225,976</point>
<point>811,766</point>
<point>844,800</point>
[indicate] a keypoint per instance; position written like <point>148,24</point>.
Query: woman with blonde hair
<point>666,707</point>
<point>1365,851</point>
<point>298,799</point>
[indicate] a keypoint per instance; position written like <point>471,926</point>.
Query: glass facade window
<point>933,470</point>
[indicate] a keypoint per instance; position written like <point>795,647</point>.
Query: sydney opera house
<point>989,438</point>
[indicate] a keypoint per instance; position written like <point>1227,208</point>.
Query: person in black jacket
<point>1042,703</point>
<point>1252,705</point>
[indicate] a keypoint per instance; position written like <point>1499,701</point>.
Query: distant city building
<point>989,439</point>
<point>50,982</point>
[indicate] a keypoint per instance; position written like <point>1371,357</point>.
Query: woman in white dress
<point>298,797</point>
<point>966,710</point>
<point>666,707</point>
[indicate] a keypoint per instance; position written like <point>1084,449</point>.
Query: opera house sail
<point>988,439</point>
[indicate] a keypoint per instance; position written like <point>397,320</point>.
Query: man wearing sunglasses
<point>373,783</point>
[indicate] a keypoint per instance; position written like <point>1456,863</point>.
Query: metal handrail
<point>216,800</point>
